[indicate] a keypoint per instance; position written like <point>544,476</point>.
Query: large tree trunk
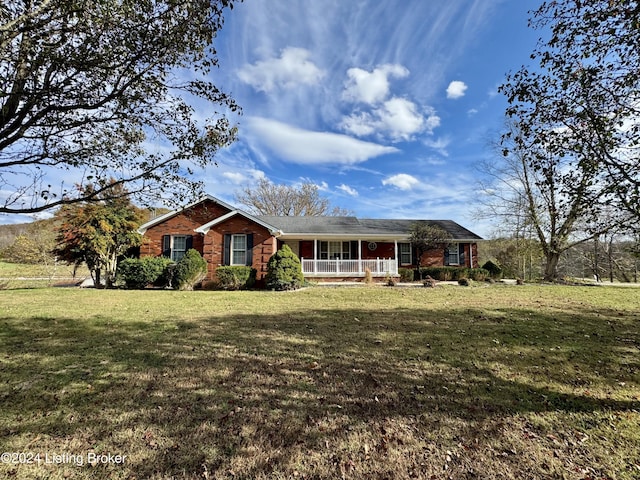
<point>551,267</point>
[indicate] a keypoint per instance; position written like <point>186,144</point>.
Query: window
<point>335,250</point>
<point>405,253</point>
<point>238,249</point>
<point>175,246</point>
<point>453,254</point>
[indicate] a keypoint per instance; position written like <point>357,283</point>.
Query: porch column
<point>395,251</point>
<point>359,256</point>
<point>315,255</point>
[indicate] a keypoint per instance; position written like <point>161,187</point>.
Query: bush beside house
<point>284,271</point>
<point>236,277</point>
<point>190,270</point>
<point>139,273</point>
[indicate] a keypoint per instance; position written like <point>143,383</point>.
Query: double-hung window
<point>405,253</point>
<point>238,249</point>
<point>453,254</point>
<point>175,246</point>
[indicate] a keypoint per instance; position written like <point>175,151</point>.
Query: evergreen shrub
<point>190,270</point>
<point>284,271</point>
<point>406,274</point>
<point>236,277</point>
<point>494,270</point>
<point>138,273</point>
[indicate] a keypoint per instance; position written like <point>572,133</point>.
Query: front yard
<point>371,382</point>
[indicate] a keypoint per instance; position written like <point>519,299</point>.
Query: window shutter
<point>249,261</point>
<point>226,257</point>
<point>166,246</point>
<point>354,249</point>
<point>189,242</point>
<point>446,255</point>
<point>461,254</point>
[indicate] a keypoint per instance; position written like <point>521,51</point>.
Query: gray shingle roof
<point>350,226</point>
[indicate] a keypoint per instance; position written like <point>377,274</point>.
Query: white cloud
<point>240,178</point>
<point>397,118</point>
<point>371,87</point>
<point>309,147</point>
<point>348,190</point>
<point>456,89</point>
<point>291,69</point>
<point>402,181</point>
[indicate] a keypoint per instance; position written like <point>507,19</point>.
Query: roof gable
<point>162,218</point>
<point>207,226</point>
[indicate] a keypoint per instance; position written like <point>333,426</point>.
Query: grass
<point>372,382</point>
<point>18,275</point>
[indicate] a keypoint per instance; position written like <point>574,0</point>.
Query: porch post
<point>395,252</point>
<point>315,255</point>
<point>359,256</point>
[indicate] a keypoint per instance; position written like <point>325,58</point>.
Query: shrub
<point>465,282</point>
<point>494,270</point>
<point>236,278</point>
<point>190,270</point>
<point>284,271</point>
<point>406,274</point>
<point>477,274</point>
<point>140,272</point>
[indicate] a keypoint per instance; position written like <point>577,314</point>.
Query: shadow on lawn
<point>248,395</point>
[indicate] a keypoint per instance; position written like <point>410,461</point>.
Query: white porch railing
<point>349,268</point>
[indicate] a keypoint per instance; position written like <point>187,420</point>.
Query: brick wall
<point>211,245</point>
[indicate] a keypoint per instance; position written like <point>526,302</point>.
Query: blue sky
<point>387,106</point>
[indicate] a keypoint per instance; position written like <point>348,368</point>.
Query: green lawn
<point>373,382</point>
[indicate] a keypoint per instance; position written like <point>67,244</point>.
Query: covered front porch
<point>378,267</point>
<point>347,258</point>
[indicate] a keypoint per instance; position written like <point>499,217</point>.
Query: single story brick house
<point>328,247</point>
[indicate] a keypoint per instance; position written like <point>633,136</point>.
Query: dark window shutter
<point>166,246</point>
<point>189,242</point>
<point>461,253</point>
<point>446,255</point>
<point>226,257</point>
<point>354,250</point>
<point>249,249</point>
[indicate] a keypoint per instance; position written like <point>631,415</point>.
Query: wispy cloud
<point>292,68</point>
<point>310,147</point>
<point>456,89</point>
<point>348,190</point>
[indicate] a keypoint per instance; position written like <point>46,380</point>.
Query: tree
<point>556,196</point>
<point>86,86</point>
<point>424,237</point>
<point>267,198</point>
<point>99,233</point>
<point>581,103</point>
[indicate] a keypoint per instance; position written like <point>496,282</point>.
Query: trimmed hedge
<point>445,274</point>
<point>138,273</point>
<point>236,278</point>
<point>406,274</point>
